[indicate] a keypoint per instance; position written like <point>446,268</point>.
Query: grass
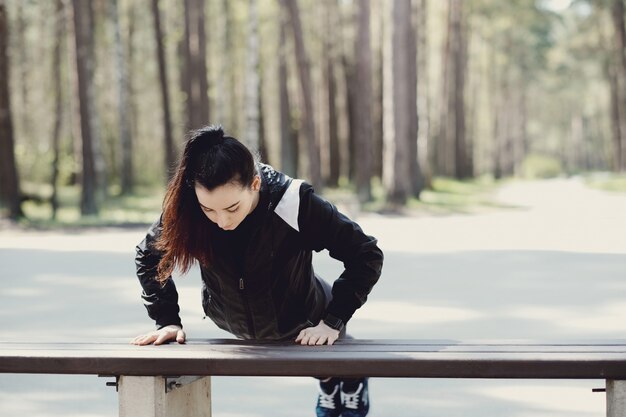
<point>447,196</point>
<point>142,207</point>
<point>607,181</point>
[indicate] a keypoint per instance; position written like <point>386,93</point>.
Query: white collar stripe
<point>289,205</point>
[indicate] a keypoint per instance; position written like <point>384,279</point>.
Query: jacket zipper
<point>246,303</point>
<point>242,290</point>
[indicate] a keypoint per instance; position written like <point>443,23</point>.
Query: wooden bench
<point>156,380</point>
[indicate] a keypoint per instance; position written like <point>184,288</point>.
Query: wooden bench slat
<point>223,345</point>
<point>347,345</point>
<point>381,358</point>
<point>361,342</point>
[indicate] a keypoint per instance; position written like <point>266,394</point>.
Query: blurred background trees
<point>98,94</point>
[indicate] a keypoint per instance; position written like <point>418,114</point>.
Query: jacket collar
<point>273,184</point>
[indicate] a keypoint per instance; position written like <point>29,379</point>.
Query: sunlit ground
<point>549,264</point>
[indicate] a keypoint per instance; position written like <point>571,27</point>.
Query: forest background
<point>383,98</point>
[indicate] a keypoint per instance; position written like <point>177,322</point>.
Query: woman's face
<point>228,204</point>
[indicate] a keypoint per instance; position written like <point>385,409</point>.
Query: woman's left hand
<point>318,335</point>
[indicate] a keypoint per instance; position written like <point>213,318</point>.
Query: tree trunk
<point>59,35</point>
<point>89,204</point>
<point>577,142</point>
<point>616,123</point>
<point>460,63</point>
<point>475,86</point>
<point>73,102</point>
<point>423,98</point>
<point>251,137</point>
<point>330,81</point>
<point>126,172</point>
<point>363,104</point>
<point>9,179</point>
<point>350,87</point>
<point>224,96</point>
<point>524,147</point>
<point>496,110</point>
<point>232,82</point>
<point>130,53</point>
<point>620,45</point>
<point>517,128</point>
<point>452,148</point>
<point>288,138</point>
<point>443,165</point>
<point>505,124</point>
<point>23,65</point>
<point>194,67</point>
<point>201,68</point>
<point>101,179</point>
<point>167,119</point>
<point>304,71</point>
<point>397,102</point>
<point>186,73</point>
<point>416,178</point>
<point>126,149</point>
<point>377,111</point>
<point>263,150</point>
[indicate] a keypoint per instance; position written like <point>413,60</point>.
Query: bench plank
<point>352,358</point>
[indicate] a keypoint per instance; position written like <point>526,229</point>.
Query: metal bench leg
<point>615,398</point>
<point>146,396</point>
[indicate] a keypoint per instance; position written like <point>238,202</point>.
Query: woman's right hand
<point>163,335</point>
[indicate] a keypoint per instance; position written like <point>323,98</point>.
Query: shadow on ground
<point>459,295</point>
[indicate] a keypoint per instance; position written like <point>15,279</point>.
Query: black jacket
<point>261,285</point>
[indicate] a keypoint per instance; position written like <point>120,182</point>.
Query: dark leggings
<point>343,335</point>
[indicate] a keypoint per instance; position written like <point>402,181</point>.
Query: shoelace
<point>328,400</point>
<point>351,400</point>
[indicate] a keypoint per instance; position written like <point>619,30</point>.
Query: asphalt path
<point>549,264</point>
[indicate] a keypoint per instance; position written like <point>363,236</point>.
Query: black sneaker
<point>329,405</point>
<point>357,403</point>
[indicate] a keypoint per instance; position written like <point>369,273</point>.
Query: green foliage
<point>558,58</point>
<point>536,166</point>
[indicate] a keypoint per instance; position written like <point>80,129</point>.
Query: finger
<point>321,340</point>
<point>331,340</point>
<point>300,336</point>
<point>180,337</point>
<point>304,334</point>
<point>137,339</point>
<point>150,339</point>
<point>313,340</point>
<point>146,340</point>
<point>163,337</point>
<point>305,340</point>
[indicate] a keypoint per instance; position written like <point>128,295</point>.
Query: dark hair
<point>210,159</point>
<point>214,159</point>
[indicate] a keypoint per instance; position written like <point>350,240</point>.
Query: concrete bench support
<point>146,396</point>
<point>615,398</point>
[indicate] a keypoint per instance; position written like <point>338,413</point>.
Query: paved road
<point>551,266</point>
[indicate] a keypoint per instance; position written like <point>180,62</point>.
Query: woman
<point>252,230</point>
